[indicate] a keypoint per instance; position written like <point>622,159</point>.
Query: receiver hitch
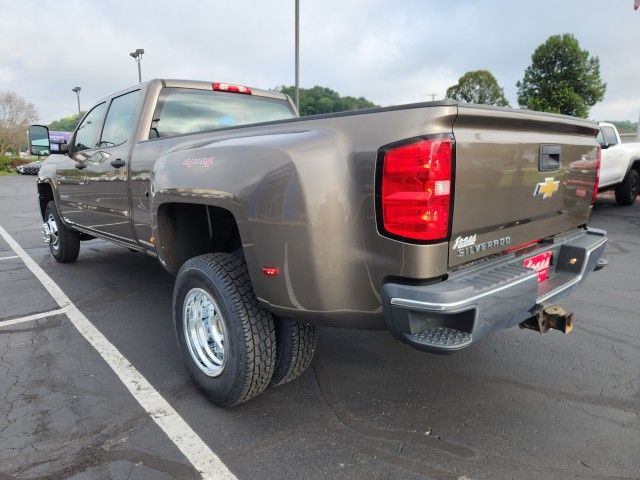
<point>553,316</point>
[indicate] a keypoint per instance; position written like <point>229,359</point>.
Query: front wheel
<point>627,191</point>
<point>227,339</point>
<point>64,243</point>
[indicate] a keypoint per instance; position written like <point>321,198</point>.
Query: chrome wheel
<point>204,331</point>
<point>54,241</point>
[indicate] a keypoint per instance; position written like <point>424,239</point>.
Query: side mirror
<point>604,146</point>
<point>39,143</point>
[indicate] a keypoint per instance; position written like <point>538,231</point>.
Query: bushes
<point>8,164</point>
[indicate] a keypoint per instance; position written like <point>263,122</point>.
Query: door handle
<point>549,158</point>
<point>117,163</point>
<point>81,165</point>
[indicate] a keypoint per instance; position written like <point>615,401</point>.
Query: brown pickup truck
<point>441,222</point>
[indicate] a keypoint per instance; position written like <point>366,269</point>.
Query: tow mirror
<point>39,143</point>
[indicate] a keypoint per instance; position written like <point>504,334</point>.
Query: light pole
<point>76,90</point>
<point>298,54</point>
<point>137,56</point>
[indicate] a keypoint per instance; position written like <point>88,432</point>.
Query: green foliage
<point>66,124</point>
<point>479,86</point>
<point>324,100</point>
<point>8,164</point>
<point>625,126</point>
<point>562,78</point>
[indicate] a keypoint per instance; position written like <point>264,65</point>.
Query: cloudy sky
<point>390,51</point>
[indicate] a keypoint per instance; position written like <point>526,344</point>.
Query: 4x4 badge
<point>546,188</point>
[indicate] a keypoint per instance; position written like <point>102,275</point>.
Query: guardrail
<point>628,137</point>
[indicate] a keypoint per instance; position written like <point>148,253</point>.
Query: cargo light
<point>416,189</point>
<point>228,87</point>
<point>596,185</point>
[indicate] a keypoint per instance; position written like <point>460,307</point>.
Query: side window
<point>88,129</point>
<point>610,135</point>
<point>119,121</point>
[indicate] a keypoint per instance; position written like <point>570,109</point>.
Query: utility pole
<point>638,130</point>
<point>76,90</point>
<point>297,100</point>
<point>137,56</point>
<point>433,96</point>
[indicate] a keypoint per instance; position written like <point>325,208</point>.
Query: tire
<point>236,361</point>
<point>627,191</point>
<point>64,242</point>
<point>295,347</point>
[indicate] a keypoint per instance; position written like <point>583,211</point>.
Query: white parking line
<point>170,421</point>
<point>35,316</point>
<point>9,258</point>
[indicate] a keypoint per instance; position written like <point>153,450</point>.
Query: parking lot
<point>515,406</point>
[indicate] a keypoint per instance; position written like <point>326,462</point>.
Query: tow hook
<point>46,233</point>
<point>551,317</point>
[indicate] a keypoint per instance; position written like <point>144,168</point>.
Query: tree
<point>562,78</point>
<point>66,124</point>
<point>479,86</point>
<point>324,100</point>
<point>16,114</point>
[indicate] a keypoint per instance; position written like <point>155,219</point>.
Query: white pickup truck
<point>620,166</point>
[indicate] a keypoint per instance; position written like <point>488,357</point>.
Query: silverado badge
<point>546,188</point>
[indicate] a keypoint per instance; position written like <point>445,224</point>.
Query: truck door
<point>107,171</point>
<point>70,171</point>
<point>614,166</point>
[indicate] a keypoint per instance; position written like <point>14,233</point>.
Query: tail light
<point>597,182</point>
<point>416,189</point>
<point>227,87</point>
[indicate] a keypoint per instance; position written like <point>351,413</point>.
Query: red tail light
<point>416,189</point>
<point>597,182</point>
<point>227,87</point>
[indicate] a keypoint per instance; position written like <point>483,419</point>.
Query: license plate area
<point>540,263</point>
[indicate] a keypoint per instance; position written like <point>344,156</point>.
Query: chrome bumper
<point>493,295</point>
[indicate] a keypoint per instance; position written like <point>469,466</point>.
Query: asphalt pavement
<point>515,406</point>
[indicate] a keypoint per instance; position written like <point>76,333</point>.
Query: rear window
<point>184,110</point>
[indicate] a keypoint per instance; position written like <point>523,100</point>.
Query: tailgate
<point>519,177</point>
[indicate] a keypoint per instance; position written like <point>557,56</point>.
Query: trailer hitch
<point>550,317</point>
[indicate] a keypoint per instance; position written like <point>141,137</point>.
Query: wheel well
<point>636,165</point>
<point>45,195</point>
<point>187,230</point>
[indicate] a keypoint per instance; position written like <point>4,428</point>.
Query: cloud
<point>390,52</point>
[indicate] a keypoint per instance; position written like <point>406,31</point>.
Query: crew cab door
<point>107,171</point>
<point>70,171</point>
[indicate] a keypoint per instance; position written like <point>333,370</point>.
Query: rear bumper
<point>497,294</point>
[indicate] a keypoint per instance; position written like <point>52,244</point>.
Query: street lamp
<point>137,56</point>
<point>76,90</point>
<point>297,99</point>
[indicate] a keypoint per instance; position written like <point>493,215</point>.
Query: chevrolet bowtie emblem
<point>547,188</point>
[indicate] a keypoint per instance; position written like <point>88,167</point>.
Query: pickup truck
<point>620,168</point>
<point>439,222</point>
